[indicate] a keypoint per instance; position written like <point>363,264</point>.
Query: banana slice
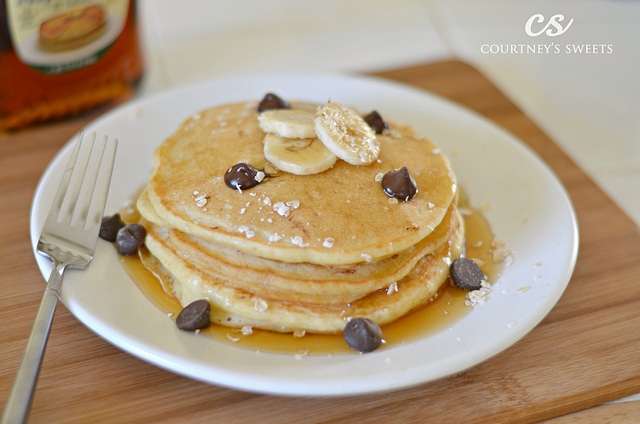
<point>298,156</point>
<point>288,123</point>
<point>346,134</point>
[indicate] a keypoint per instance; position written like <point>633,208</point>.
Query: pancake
<point>303,282</point>
<point>377,269</point>
<point>234,305</point>
<point>344,204</point>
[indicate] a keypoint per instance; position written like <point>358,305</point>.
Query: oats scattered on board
<point>524,289</point>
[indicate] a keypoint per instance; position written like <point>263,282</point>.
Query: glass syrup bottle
<point>61,57</point>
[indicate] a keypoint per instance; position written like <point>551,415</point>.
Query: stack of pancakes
<point>298,252</point>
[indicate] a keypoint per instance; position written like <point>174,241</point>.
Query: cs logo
<point>552,28</point>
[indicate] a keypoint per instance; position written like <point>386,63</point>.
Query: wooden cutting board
<point>583,354</point>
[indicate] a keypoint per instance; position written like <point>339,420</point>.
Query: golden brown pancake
<point>304,281</point>
<point>344,204</point>
<point>234,305</point>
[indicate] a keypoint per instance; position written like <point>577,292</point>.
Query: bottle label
<point>58,36</point>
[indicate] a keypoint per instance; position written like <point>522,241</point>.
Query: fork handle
<point>19,402</point>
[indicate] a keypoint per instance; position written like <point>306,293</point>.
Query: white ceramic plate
<point>529,210</point>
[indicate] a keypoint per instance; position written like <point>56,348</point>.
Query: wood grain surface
<point>583,354</point>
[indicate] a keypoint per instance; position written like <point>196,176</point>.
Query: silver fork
<point>68,239</point>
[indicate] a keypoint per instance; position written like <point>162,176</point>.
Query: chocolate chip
<point>271,101</point>
<point>362,334</point>
<point>130,238</point>
<point>376,122</point>
<point>466,274</point>
<point>110,226</point>
<point>195,315</point>
<point>242,176</point>
<point>399,184</point>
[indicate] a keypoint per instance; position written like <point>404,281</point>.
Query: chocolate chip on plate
<point>195,315</point>
<point>243,176</point>
<point>110,226</point>
<point>400,184</point>
<point>130,238</point>
<point>362,334</point>
<point>376,122</point>
<point>272,101</point>
<point>466,274</point>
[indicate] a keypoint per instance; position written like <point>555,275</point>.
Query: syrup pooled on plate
<point>441,313</point>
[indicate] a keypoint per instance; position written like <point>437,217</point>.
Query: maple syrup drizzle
<point>443,312</point>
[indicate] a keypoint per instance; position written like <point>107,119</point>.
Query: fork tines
<point>86,177</point>
<point>79,203</point>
